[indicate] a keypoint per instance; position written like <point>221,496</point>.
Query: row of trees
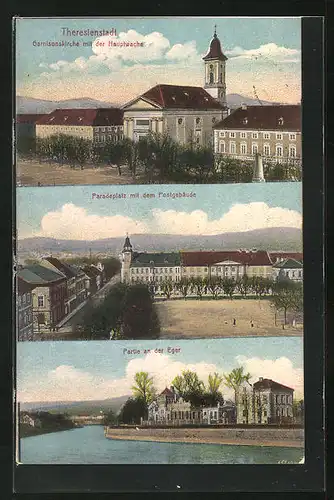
<point>127,312</point>
<point>214,286</point>
<point>156,157</point>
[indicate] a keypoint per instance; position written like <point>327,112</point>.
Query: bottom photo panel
<point>215,401</point>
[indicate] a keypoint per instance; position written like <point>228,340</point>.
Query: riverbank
<point>291,438</point>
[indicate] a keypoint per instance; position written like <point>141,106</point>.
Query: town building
<point>274,132</point>
<point>147,267</point>
<point>186,113</point>
<point>25,125</point>
<point>48,295</point>
<point>93,279</point>
<point>75,282</point>
<point>98,125</point>
<point>264,402</point>
<point>24,310</point>
<point>169,408</point>
<point>290,269</point>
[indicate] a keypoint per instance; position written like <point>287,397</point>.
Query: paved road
<point>95,300</point>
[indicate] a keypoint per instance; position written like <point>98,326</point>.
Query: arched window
<point>211,77</point>
<point>221,77</point>
<point>279,150</point>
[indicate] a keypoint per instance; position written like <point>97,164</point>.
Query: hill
<point>93,407</point>
<point>27,105</point>
<point>273,239</point>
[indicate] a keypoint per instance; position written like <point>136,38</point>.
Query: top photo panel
<point>157,100</point>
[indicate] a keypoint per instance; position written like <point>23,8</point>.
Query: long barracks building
<point>158,267</point>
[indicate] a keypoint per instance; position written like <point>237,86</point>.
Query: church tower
<point>126,258</point>
<point>214,65</point>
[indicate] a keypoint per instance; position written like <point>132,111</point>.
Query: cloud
<point>115,52</point>
<point>68,383</point>
<point>269,52</point>
<point>239,218</point>
<point>280,369</point>
<point>183,52</point>
<point>73,222</point>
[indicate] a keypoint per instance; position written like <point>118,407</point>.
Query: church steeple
<point>126,259</point>
<point>214,63</point>
<point>127,247</point>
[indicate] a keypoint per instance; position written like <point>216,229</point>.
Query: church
<point>186,113</point>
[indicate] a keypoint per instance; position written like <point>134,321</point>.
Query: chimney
<point>243,106</point>
<point>260,379</point>
<point>258,175</point>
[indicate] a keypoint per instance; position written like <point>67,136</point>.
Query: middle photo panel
<point>161,262</point>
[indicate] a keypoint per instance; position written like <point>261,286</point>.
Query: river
<point>87,445</point>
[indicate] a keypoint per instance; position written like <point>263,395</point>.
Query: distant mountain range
<point>77,407</point>
<point>29,105</point>
<point>274,239</point>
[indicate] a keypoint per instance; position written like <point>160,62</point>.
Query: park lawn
<point>30,173</point>
<point>214,318</point>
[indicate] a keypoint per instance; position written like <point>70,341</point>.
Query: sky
<point>264,53</point>
<point>80,371</point>
<point>81,212</point>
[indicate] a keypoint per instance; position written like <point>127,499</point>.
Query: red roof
<point>167,392</point>
<point>267,383</point>
<point>83,117</point>
<point>215,50</point>
<point>249,257</point>
<point>286,255</point>
<point>259,258</point>
<point>181,96</point>
<point>29,119</point>
<point>280,117</point>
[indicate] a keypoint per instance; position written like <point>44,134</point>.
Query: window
<point>266,135</point>
<point>292,137</point>
<point>266,150</point>
<point>232,135</point>
<point>198,120</point>
<point>265,413</point>
<point>255,135</point>
<point>232,147</point>
<point>279,137</point>
<point>222,147</point>
<point>254,149</point>
<point>214,119</point>
<point>24,298</point>
<point>180,121</point>
<point>40,300</point>
<point>243,135</point>
<point>211,77</point>
<point>281,121</point>
<point>292,151</point>
<point>245,121</point>
<point>222,134</point>
<point>243,149</point>
<point>279,150</point>
<point>143,123</point>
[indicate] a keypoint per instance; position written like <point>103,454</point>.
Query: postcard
<point>158,100</point>
<point>160,262</point>
<point>159,227</point>
<point>227,401</point>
